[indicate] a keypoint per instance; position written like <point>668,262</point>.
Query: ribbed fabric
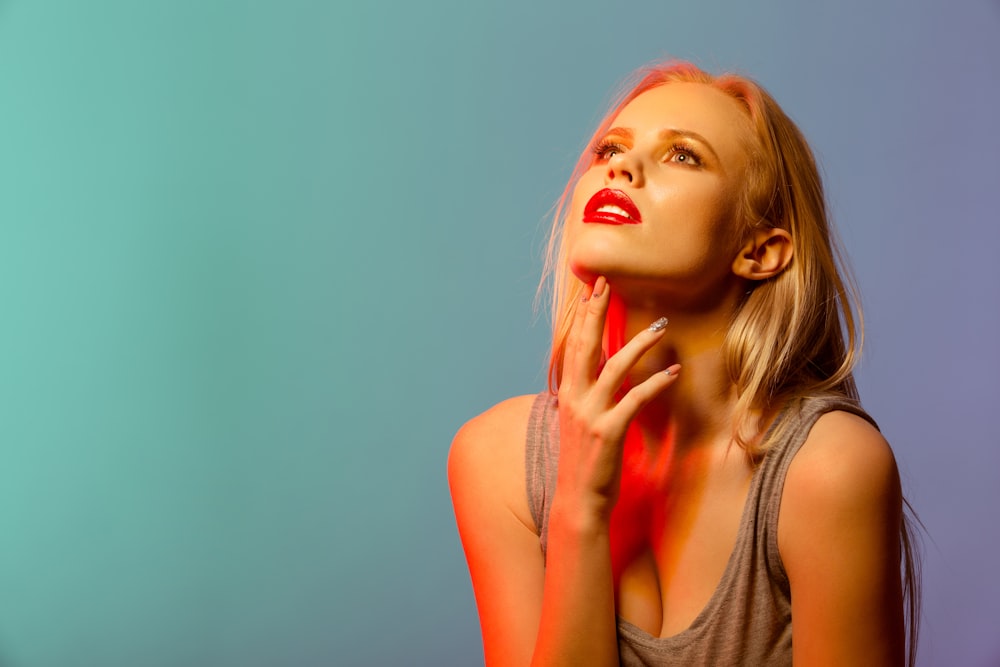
<point>748,619</point>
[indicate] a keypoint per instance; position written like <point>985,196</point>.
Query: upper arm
<point>487,478</point>
<point>838,535</point>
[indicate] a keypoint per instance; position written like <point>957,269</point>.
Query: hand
<point>592,422</point>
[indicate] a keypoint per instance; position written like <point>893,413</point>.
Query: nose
<point>624,166</point>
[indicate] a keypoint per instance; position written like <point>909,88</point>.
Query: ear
<point>765,254</point>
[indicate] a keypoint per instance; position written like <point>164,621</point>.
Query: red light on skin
<point>619,209</point>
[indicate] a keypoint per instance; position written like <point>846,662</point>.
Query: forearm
<point>578,626</point>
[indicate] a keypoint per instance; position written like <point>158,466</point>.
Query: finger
<point>638,396</point>
<point>618,366</point>
<point>570,347</point>
<point>590,334</point>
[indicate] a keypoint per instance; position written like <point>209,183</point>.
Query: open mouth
<point>611,207</point>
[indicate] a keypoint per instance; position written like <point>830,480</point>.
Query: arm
<point>486,475</point>
<point>838,535</point>
<point>562,614</point>
<point>511,582</point>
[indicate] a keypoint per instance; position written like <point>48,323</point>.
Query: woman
<point>700,485</point>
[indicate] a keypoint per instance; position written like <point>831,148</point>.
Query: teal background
<point>259,261</point>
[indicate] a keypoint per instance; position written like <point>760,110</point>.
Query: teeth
<point>614,209</point>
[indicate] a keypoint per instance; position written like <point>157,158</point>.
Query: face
<point>659,204</point>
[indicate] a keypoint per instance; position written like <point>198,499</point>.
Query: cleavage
<point>670,550</point>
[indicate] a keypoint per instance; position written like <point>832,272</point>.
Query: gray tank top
<point>748,619</point>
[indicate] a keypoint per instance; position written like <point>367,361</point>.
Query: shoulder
<point>491,438</point>
<point>505,420</point>
<point>486,460</point>
<point>845,461</point>
<point>838,537</point>
<point>486,472</point>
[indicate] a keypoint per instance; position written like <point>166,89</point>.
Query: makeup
<point>611,207</point>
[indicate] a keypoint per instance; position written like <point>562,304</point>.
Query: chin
<point>591,256</point>
<point>588,268</point>
<point>583,273</point>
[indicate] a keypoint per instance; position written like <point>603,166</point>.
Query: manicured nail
<point>598,287</point>
<point>672,370</point>
<point>658,325</point>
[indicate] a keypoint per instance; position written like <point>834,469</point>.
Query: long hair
<point>793,335</point>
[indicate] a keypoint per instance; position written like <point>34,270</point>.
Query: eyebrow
<point>622,132</point>
<point>669,133</point>
<point>689,134</point>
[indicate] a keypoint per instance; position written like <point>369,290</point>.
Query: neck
<point>698,409</point>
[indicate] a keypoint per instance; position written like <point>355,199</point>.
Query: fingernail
<point>658,325</point>
<point>599,287</point>
<point>672,370</point>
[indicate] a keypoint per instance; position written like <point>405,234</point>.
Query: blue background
<point>259,261</point>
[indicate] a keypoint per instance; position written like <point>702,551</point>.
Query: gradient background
<point>259,261</point>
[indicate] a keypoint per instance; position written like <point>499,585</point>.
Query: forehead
<point>694,107</point>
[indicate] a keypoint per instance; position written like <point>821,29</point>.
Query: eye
<point>683,154</point>
<point>605,150</point>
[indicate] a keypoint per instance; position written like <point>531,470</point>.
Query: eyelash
<point>602,148</point>
<point>684,149</point>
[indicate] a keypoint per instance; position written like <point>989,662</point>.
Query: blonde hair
<point>787,337</point>
<point>794,335</point>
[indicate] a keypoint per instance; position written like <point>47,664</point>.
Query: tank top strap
<point>541,459</point>
<point>784,440</point>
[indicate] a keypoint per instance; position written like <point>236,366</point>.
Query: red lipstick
<point>611,207</point>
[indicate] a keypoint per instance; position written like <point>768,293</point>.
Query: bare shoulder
<point>488,491</point>
<point>487,456</point>
<point>838,536</point>
<point>497,426</point>
<point>844,461</point>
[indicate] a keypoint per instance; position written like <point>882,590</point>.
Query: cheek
<point>712,211</point>
<point>577,202</point>
<point>582,192</point>
<point>730,226</point>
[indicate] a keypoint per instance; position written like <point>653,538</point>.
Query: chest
<point>670,547</point>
